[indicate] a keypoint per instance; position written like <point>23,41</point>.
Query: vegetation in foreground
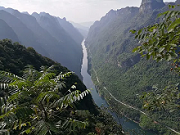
<point>46,101</point>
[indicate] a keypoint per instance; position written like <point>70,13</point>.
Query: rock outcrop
<point>150,5</point>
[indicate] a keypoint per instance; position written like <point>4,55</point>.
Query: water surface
<point>126,124</point>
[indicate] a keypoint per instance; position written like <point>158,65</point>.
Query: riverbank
<point>127,124</point>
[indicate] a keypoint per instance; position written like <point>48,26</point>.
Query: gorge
<point>104,61</point>
<point>127,125</point>
<point>126,75</point>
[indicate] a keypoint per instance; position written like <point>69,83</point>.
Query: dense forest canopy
<point>124,75</point>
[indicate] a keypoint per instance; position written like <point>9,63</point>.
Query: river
<point>126,124</point>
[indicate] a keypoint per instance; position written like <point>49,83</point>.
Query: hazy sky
<point>73,10</point>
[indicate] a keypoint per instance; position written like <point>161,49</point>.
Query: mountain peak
<point>26,13</point>
<point>150,5</point>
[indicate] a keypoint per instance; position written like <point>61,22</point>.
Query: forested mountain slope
<point>25,35</point>
<point>46,35</point>
<point>123,73</point>
<point>14,58</point>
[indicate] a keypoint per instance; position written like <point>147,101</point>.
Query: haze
<point>73,10</point>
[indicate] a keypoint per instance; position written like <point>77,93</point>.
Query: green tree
<point>161,41</point>
<point>38,103</point>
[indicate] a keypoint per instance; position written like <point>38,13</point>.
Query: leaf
<point>133,31</point>
<point>135,49</point>
<point>173,25</point>
<point>148,56</point>
<point>161,49</point>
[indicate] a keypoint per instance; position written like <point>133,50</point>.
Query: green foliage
<point>124,73</point>
<point>160,41</point>
<point>168,99</point>
<point>34,104</point>
<point>70,117</point>
<point>15,57</point>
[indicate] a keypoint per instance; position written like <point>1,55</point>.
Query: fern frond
<point>20,95</point>
<point>70,98</point>
<point>78,124</point>
<point>46,96</point>
<point>30,73</point>
<point>45,69</point>
<point>4,86</point>
<point>71,125</point>
<point>42,128</point>
<point>62,76</point>
<point>59,86</point>
<point>65,101</point>
<point>23,112</point>
<point>7,77</point>
<point>4,132</point>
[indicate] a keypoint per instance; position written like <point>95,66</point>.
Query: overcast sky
<point>73,10</point>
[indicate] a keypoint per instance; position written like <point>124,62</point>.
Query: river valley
<point>99,101</point>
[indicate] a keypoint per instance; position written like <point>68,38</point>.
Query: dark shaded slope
<point>7,32</point>
<point>69,28</point>
<point>71,52</point>
<point>45,34</point>
<point>25,35</point>
<point>14,58</point>
<point>49,43</point>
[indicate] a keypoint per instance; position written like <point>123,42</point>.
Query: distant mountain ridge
<point>50,36</point>
<point>83,28</point>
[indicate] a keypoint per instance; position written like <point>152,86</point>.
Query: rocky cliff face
<point>150,5</point>
<point>114,20</point>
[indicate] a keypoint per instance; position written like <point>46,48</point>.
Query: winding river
<point>126,124</point>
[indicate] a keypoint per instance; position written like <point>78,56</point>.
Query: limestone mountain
<point>47,36</point>
<point>122,72</point>
<point>69,49</point>
<point>25,35</point>
<point>69,28</point>
<point>149,5</point>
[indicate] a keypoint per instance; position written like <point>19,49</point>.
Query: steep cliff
<point>69,28</point>
<point>123,73</point>
<point>43,32</point>
<point>150,5</point>
<point>70,50</point>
